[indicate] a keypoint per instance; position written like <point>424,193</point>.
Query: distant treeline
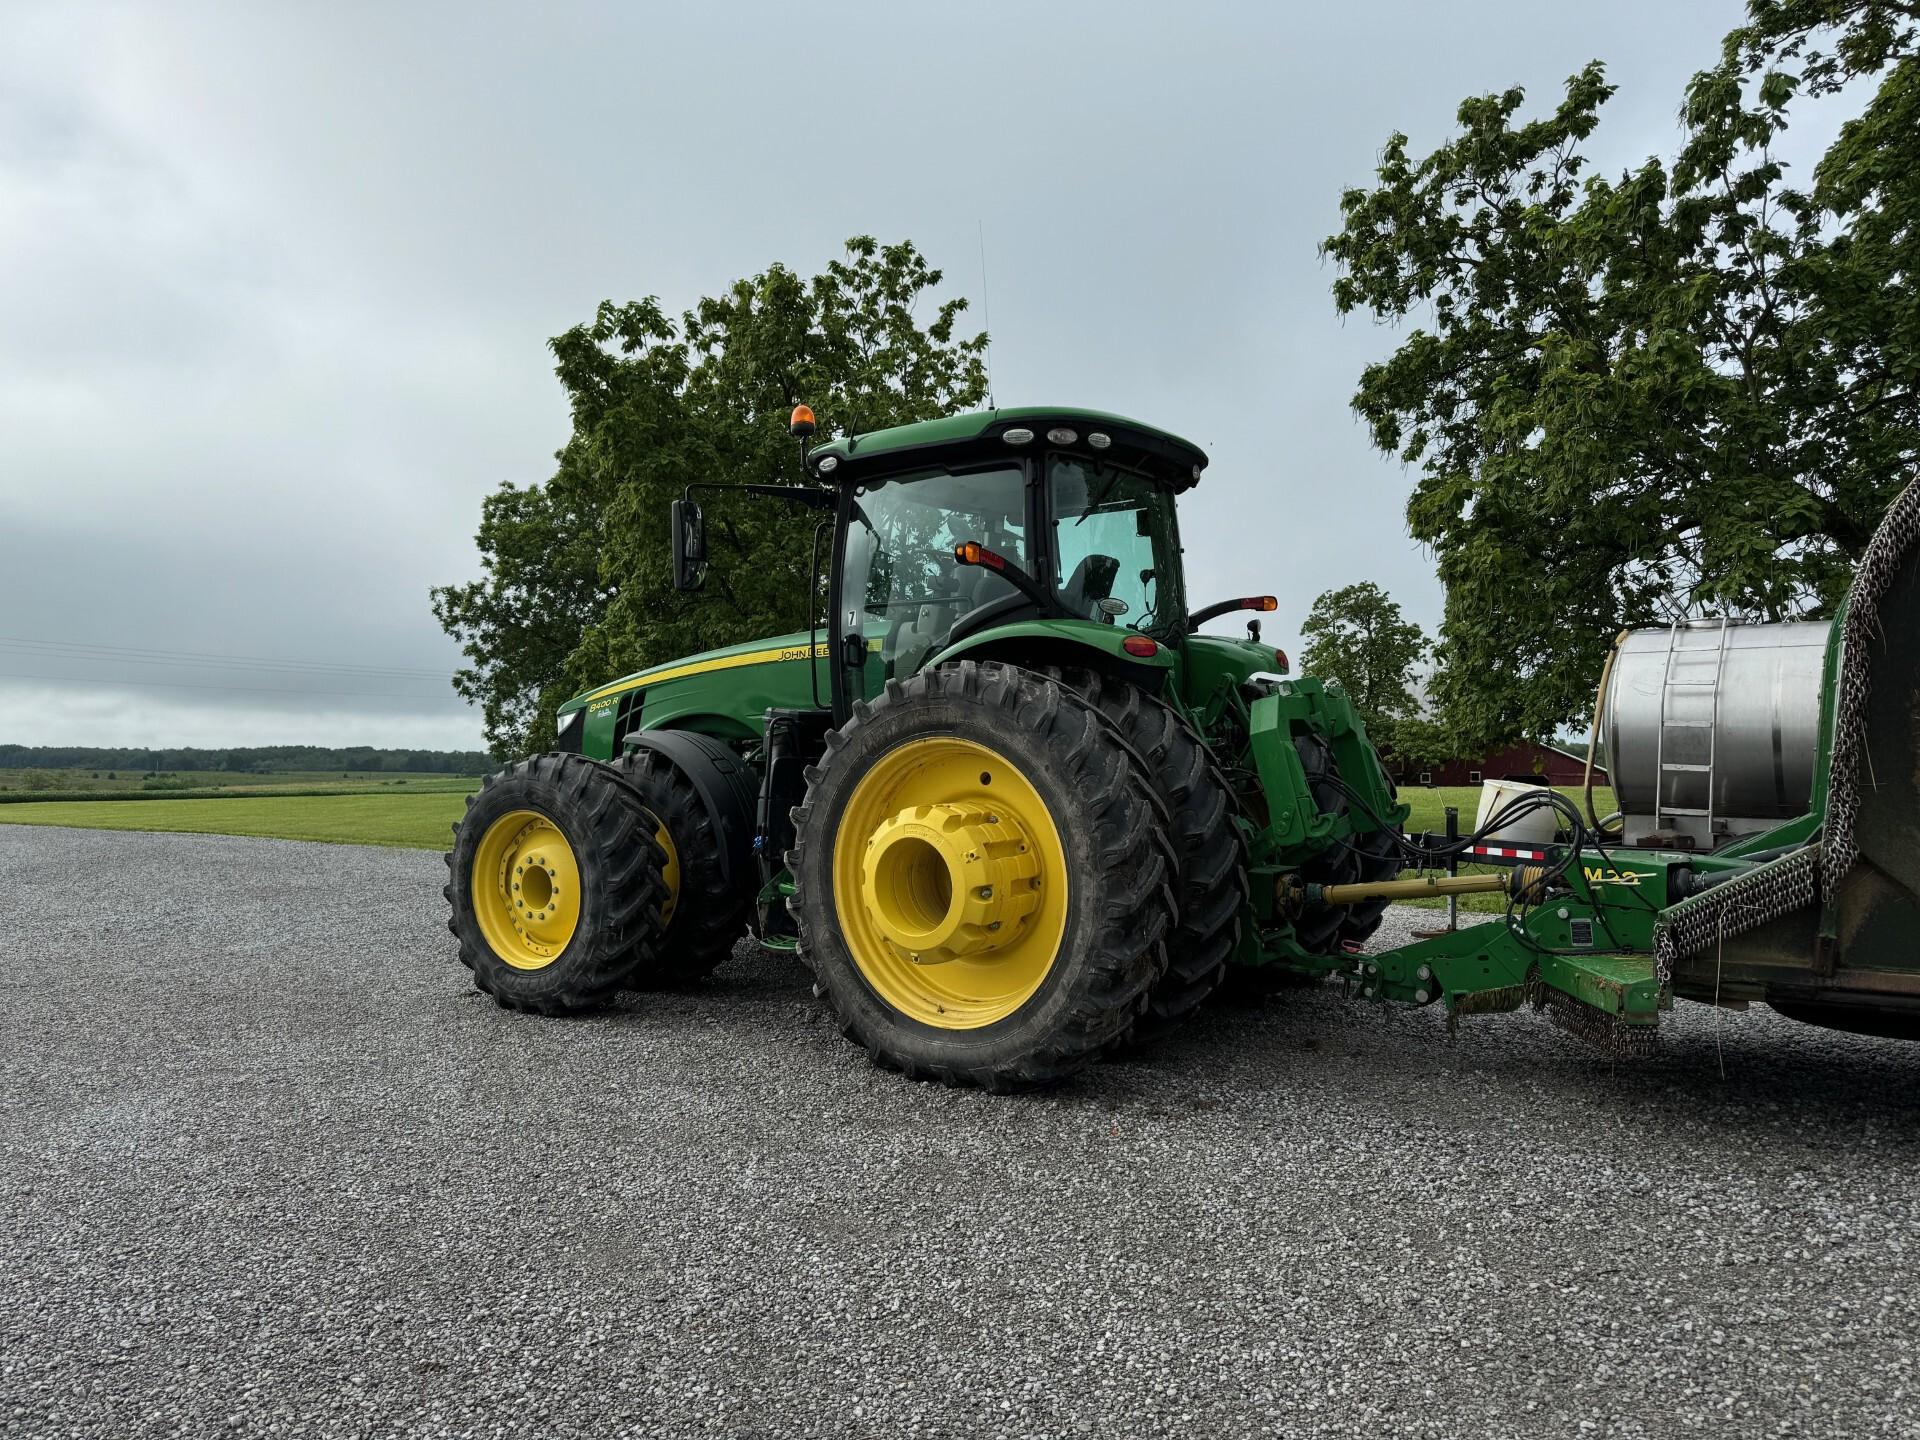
<point>255,760</point>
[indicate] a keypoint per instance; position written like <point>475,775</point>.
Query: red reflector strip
<point>1508,852</point>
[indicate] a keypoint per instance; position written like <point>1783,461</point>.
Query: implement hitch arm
<point>1522,882</point>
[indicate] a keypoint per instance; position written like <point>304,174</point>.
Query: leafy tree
<point>1692,387</point>
<point>1356,635</point>
<point>576,586</point>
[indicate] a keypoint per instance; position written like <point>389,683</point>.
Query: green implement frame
<point>1818,916</point>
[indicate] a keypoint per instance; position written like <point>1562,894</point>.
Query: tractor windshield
<point>901,585</point>
<point>1117,548</point>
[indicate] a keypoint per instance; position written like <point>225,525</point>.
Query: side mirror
<point>689,546</point>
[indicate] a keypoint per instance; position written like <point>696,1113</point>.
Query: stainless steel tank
<point>1711,729</point>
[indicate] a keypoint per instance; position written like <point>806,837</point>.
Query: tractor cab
<point>1050,529</point>
<point>951,529</point>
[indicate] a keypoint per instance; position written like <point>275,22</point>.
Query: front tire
<point>555,886</point>
<point>982,886</point>
<point>704,915</point>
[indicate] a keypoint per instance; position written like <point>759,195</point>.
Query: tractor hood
<point>773,650</point>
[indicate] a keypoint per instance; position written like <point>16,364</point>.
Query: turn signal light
<point>802,422</point>
<point>1280,664</point>
<point>1140,645</point>
<point>1260,602</point>
<point>972,552</point>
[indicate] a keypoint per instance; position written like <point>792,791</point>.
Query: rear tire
<point>1211,853</point>
<point>705,916</point>
<point>1371,855</point>
<point>554,882</point>
<point>1085,897</point>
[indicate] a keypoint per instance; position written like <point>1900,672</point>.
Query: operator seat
<point>924,624</point>
<point>1091,582</point>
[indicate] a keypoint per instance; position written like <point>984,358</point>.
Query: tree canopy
<point>1692,387</point>
<point>575,586</point>
<point>1357,636</point>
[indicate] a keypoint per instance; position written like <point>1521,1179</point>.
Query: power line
<point>262,689</point>
<point>290,669</point>
<point>79,649</point>
<point>207,657</point>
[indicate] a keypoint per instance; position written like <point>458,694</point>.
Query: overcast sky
<point>275,285</point>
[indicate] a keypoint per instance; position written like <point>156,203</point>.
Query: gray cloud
<point>275,283</point>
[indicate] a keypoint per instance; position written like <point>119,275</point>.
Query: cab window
<point>902,590</point>
<point>1116,555</point>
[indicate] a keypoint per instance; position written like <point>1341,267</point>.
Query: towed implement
<point>1013,810</point>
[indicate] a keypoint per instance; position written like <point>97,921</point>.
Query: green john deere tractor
<point>1014,811</point>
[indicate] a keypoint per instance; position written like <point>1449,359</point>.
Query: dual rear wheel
<point>984,878</point>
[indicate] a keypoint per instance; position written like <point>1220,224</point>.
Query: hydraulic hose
<point>1593,732</point>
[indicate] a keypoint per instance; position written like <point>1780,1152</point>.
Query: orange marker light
<point>802,422</point>
<point>1261,602</point>
<point>972,552</point>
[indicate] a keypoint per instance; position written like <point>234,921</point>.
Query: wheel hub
<point>526,889</point>
<point>949,880</point>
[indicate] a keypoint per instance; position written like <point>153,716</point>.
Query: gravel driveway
<point>268,1165</point>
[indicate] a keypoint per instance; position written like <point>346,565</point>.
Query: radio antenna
<point>986,310</point>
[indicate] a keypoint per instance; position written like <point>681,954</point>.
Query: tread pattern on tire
<point>710,916</point>
<point>1372,855</point>
<point>1209,849</point>
<point>612,831</point>
<point>1130,920</point>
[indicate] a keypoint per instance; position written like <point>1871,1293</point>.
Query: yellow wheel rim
<point>950,883</point>
<point>669,870</point>
<point>526,889</point>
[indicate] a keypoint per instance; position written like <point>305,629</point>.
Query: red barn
<point>1522,761</point>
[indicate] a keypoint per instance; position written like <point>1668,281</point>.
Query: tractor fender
<point>728,786</point>
<point>1063,642</point>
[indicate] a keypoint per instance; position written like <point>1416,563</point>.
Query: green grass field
<point>403,818</point>
<point>1430,806</point>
